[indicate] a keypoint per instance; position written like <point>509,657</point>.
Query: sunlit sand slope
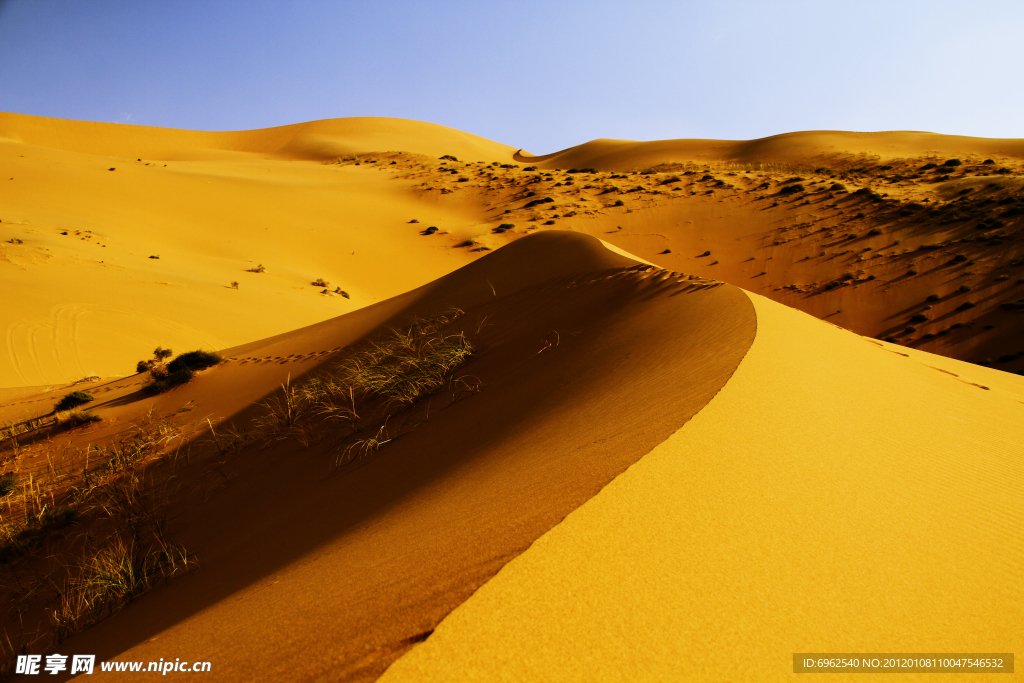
<point>324,139</point>
<point>838,495</point>
<point>115,239</point>
<point>587,361</point>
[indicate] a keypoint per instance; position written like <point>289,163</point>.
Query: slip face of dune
<point>586,361</point>
<point>838,495</point>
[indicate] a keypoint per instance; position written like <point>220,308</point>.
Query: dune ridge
<point>868,504</point>
<point>586,359</point>
<point>803,148</point>
<point>312,140</point>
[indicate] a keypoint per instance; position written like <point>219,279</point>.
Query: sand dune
<point>804,148</point>
<point>651,467</point>
<point>587,362</point>
<point>316,140</point>
<point>111,264</point>
<point>871,503</point>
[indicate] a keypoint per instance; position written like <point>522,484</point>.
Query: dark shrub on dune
<point>73,400</point>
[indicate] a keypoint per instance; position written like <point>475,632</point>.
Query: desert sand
<point>650,465</point>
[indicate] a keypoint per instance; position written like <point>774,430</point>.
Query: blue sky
<point>537,75</point>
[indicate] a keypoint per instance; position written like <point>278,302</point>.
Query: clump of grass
<point>111,578</point>
<point>8,483</point>
<point>77,418</point>
<point>234,284</point>
<point>73,400</point>
<point>258,268</point>
<point>382,377</point>
<point>406,365</point>
<point>320,282</point>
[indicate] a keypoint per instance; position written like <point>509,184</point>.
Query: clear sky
<point>538,75</point>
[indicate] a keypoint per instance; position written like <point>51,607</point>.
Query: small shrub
<point>537,202</point>
<point>911,272</point>
<point>530,168</point>
<point>952,162</point>
<point>548,223</point>
<point>919,318</point>
<point>988,162</point>
<point>874,232</point>
<point>959,258</point>
<point>837,187</point>
<point>449,157</point>
<point>258,268</point>
<point>963,289</point>
<point>932,297</point>
<point>429,231</point>
<point>73,400</point>
<point>193,360</point>
<point>792,189</point>
<point>967,305</point>
<point>155,257</point>
<point>504,227</point>
<point>320,282</point>
<point>619,202</point>
<point>234,284</point>
<point>1012,305</point>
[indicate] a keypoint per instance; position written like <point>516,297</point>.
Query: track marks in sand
<point>282,360</point>
<point>653,276</point>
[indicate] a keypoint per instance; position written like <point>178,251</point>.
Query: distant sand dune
<point>803,148</point>
<point>313,140</point>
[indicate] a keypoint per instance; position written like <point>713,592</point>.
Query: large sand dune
<point>805,148</point>
<point>838,495</point>
<point>647,470</point>
<point>78,241</point>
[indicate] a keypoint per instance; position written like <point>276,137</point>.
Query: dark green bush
<point>537,202</point>
<point>73,400</point>
<point>193,360</point>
